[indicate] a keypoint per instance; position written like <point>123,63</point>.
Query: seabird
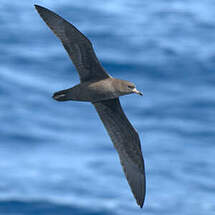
<point>103,91</point>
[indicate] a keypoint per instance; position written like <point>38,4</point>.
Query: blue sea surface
<point>56,158</point>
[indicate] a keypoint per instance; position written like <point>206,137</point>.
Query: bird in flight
<point>103,91</point>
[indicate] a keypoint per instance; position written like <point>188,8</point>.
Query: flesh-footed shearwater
<point>103,91</point>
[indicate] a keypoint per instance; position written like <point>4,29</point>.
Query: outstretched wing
<point>127,144</point>
<point>76,44</point>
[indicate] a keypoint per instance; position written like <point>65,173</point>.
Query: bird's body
<point>103,91</point>
<point>93,91</point>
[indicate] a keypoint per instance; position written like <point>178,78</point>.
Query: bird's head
<point>127,87</point>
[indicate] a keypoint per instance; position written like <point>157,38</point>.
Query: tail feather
<point>61,96</point>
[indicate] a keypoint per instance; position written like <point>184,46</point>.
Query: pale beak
<point>137,92</point>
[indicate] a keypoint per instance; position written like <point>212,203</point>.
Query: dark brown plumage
<point>103,91</point>
<point>127,144</point>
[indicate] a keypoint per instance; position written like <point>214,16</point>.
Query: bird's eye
<point>131,87</point>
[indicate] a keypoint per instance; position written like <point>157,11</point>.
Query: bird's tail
<point>62,95</point>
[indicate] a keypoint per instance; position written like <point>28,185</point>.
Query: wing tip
<point>41,9</point>
<point>141,203</point>
<point>138,188</point>
<point>141,199</point>
<point>38,7</point>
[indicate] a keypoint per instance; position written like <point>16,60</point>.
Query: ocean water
<point>56,158</point>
